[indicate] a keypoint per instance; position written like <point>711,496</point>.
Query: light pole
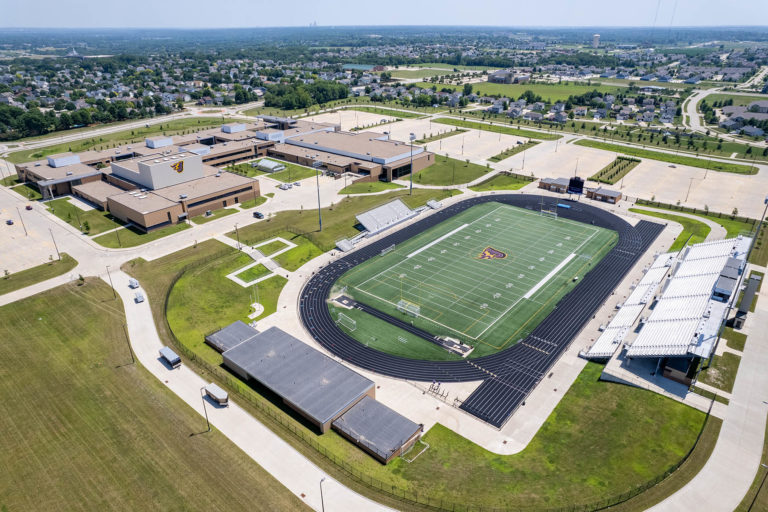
<point>205,410</point>
<point>114,293</point>
<point>412,138</point>
<point>322,501</point>
<point>54,244</point>
<point>316,165</point>
<point>237,234</point>
<point>22,222</point>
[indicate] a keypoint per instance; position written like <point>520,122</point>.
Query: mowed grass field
<point>486,276</point>
<point>83,430</point>
<point>549,92</point>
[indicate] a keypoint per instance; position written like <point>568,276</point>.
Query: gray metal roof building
<point>231,336</point>
<point>377,429</point>
<point>313,384</point>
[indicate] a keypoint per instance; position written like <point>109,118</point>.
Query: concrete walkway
<point>281,460</point>
<point>726,477</point>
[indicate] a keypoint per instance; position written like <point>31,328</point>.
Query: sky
<point>271,13</point>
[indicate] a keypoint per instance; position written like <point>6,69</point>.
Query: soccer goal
<point>387,250</point>
<point>347,322</point>
<point>409,308</point>
<point>549,213</point>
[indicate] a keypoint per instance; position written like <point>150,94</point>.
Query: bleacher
<point>385,216</point>
<point>687,317</point>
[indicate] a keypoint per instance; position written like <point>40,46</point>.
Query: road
<point>694,117</point>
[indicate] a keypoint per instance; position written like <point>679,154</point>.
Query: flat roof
<point>315,384</point>
<point>317,154</point>
<point>231,336</point>
<point>376,426</point>
<point>204,186</point>
<point>99,190</point>
<point>362,146</point>
<point>144,202</point>
<point>46,172</point>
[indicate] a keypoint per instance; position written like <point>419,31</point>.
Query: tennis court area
<point>486,276</point>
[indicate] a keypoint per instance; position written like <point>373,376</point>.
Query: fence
<point>522,177</point>
<point>410,497</point>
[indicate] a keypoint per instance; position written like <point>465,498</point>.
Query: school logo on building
<point>489,253</point>
<point>178,166</point>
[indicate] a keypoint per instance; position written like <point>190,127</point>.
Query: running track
<point>509,375</point>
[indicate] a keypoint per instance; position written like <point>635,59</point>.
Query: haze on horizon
<point>259,13</point>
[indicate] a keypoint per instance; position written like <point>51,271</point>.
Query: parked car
<point>9,222</point>
<point>297,184</point>
<point>258,215</point>
<point>29,207</point>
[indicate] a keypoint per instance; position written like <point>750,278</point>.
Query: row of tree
<point>297,95</point>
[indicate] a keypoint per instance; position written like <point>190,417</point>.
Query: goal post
<point>549,213</point>
<point>347,322</point>
<point>409,308</point>
<point>387,250</point>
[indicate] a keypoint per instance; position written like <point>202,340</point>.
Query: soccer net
<point>409,308</point>
<point>387,250</point>
<point>347,322</point>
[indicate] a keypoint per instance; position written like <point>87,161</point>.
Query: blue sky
<point>270,13</point>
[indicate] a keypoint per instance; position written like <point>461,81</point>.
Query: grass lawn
<point>375,333</point>
<point>694,229</point>
<point>215,214</point>
<point>252,203</point>
<point>10,181</point>
<point>501,182</point>
<point>338,220</point>
<point>38,274</point>
<point>549,92</point>
<point>97,220</point>
<point>253,273</point>
<point>293,258</point>
<point>245,169</point>
<point>602,439</point>
<point>27,191</point>
<point>111,140</point>
<point>737,98</point>
<point>735,339</point>
<point>100,434</point>
<point>369,187</point>
<point>419,73</point>
<point>669,157</point>
<point>519,148</point>
<point>444,135</point>
<point>131,237</point>
<point>271,247</point>
<point>292,172</point>
<point>448,171</point>
<point>497,128</point>
<point>721,372</point>
<point>760,252</point>
<point>404,114</point>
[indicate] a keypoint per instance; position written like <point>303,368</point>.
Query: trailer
<point>170,357</point>
<point>217,394</point>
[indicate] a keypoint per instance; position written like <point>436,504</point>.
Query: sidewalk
<point>265,447</point>
<point>726,477</point>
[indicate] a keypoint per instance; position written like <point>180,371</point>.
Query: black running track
<point>509,375</point>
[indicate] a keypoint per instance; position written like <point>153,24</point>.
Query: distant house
<point>533,116</point>
<point>730,124</point>
<point>758,106</point>
<point>515,112</point>
<point>752,131</point>
<point>580,111</point>
<point>560,117</point>
<point>538,106</point>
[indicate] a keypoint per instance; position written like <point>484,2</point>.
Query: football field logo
<point>489,253</point>
<point>178,166</point>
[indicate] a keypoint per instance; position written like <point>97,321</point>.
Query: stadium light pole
<point>322,500</point>
<point>237,234</point>
<point>205,410</point>
<point>412,137</point>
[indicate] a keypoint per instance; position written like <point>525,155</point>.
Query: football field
<point>486,276</point>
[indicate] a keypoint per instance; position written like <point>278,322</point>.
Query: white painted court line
<point>437,241</point>
<point>549,276</point>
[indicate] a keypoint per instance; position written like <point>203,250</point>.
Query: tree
<point>467,89</point>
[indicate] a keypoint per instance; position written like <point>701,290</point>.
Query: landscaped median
<point>712,165</point>
<point>15,281</point>
<point>497,128</point>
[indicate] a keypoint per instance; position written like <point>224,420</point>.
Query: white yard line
<point>549,276</point>
<point>437,241</point>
